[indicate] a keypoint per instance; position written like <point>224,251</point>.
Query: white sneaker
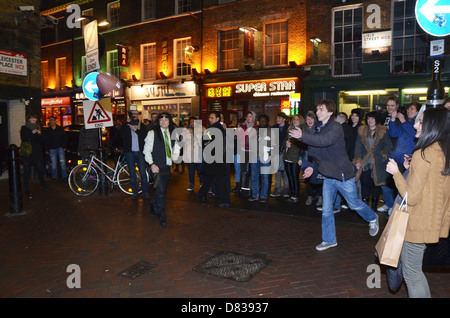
<point>324,245</point>
<point>373,227</point>
<point>383,208</point>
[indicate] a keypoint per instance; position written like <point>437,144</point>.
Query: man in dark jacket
<point>55,139</point>
<point>160,150</point>
<point>327,146</point>
<point>133,135</point>
<point>215,168</point>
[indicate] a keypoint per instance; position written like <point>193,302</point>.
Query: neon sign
<point>282,87</point>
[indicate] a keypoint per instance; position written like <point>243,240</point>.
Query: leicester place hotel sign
<point>249,89</point>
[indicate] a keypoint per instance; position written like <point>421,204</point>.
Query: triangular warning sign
<point>98,114</point>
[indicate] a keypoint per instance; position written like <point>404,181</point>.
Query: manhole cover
<point>232,265</point>
<point>137,270</point>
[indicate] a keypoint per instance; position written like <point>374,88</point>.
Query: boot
<point>319,201</point>
<point>308,200</point>
<point>237,188</point>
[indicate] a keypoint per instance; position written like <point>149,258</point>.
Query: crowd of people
<point>347,162</point>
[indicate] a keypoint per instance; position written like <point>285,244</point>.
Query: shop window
<point>182,68</point>
<point>148,9</point>
<point>367,100</point>
<point>229,49</point>
<point>114,13</point>
<point>347,41</point>
<point>148,61</point>
<point>183,6</point>
<point>409,43</point>
<point>276,43</point>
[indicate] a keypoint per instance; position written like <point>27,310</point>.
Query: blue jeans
<point>237,168</point>
<point>192,167</point>
<point>388,195</point>
<point>348,191</point>
<point>55,154</point>
<point>257,173</point>
<point>133,159</point>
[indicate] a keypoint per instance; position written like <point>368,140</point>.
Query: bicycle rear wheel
<point>83,181</point>
<point>123,179</point>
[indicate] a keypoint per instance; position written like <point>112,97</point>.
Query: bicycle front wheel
<point>123,179</point>
<point>83,181</point>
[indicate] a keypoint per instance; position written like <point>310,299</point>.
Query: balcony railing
<point>409,61</point>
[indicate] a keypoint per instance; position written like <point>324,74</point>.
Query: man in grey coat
<point>327,147</point>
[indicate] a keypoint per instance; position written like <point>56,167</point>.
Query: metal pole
<point>103,186</point>
<point>15,186</point>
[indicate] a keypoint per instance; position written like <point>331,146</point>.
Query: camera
<point>52,19</point>
<point>25,8</point>
<point>133,122</point>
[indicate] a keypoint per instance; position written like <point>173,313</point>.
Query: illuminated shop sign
<point>263,88</point>
<point>55,102</point>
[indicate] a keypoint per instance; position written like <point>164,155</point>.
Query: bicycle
<point>84,178</point>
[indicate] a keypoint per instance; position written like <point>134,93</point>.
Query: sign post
<point>90,33</point>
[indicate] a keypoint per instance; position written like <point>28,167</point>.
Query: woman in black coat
<point>31,132</point>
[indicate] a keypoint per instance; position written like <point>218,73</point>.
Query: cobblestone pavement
<point>106,234</point>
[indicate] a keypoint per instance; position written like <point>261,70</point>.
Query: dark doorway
<point>3,137</point>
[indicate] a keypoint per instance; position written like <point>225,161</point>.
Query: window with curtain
<point>60,73</point>
<point>148,9</point>
<point>276,43</point>
<point>44,74</point>
<point>229,49</point>
<point>181,67</point>
<point>114,13</point>
<point>148,61</point>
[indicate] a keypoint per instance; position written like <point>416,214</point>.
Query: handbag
<point>25,149</point>
<point>389,246</point>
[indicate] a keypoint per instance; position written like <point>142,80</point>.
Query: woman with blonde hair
<point>427,188</point>
<point>295,150</point>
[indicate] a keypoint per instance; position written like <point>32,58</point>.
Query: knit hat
<point>311,114</point>
<point>359,112</point>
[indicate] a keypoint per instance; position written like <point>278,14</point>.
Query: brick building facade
<point>190,57</point>
<point>19,69</point>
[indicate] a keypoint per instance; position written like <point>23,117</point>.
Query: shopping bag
<point>389,246</point>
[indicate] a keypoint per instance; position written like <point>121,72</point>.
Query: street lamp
<point>86,18</point>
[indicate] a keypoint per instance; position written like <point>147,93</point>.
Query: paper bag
<point>389,246</point>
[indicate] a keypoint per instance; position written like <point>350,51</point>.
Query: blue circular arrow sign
<point>90,88</point>
<point>434,16</point>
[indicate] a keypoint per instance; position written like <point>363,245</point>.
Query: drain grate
<point>137,270</point>
<point>232,265</point>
